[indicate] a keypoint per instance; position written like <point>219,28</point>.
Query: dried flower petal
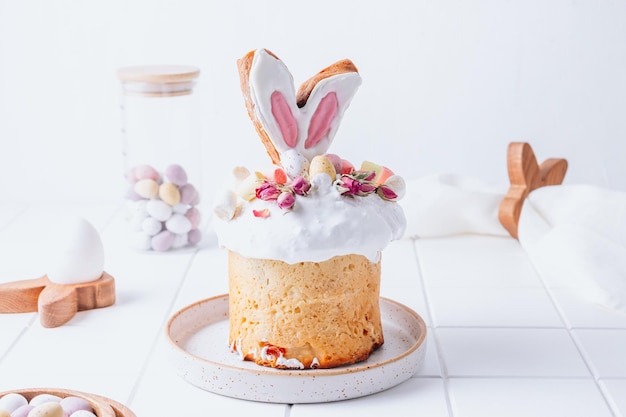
<point>265,213</point>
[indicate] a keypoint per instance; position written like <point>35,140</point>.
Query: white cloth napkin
<point>575,235</point>
<point>449,204</point>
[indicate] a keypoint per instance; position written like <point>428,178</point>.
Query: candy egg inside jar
<point>163,211</point>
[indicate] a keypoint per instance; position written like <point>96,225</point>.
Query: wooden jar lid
<point>158,80</point>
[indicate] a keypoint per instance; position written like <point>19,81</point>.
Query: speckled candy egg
<point>320,164</point>
<point>169,193</point>
<point>72,404</point>
<point>147,188</point>
<point>48,409</point>
<point>159,210</point>
<point>44,398</point>
<point>178,224</point>
<point>294,163</point>
<point>163,241</point>
<point>22,411</point>
<point>176,174</point>
<point>11,402</point>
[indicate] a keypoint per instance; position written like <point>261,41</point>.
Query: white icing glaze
<point>321,225</point>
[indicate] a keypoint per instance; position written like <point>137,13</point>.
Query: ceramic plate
<point>199,339</point>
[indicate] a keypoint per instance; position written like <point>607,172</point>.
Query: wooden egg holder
<point>56,303</point>
<point>102,406</point>
<point>526,175</point>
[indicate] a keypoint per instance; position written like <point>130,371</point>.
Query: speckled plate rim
<point>416,350</point>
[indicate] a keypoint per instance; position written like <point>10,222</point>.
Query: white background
<point>446,84</point>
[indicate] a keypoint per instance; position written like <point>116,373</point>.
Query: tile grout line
<point>19,337</point>
<point>23,209</point>
<point>148,358</point>
<point>579,348</point>
<point>442,365</point>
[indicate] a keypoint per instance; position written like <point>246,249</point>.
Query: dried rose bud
<point>300,186</point>
<point>267,192</point>
<point>286,200</point>
<point>347,184</point>
<point>386,193</point>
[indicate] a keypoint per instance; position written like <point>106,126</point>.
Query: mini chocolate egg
<point>180,208</point>
<point>189,194</point>
<point>169,193</point>
<point>162,241</point>
<point>180,241</point>
<point>176,174</point>
<point>194,236</point>
<point>142,172</point>
<point>22,411</point>
<point>44,398</point>
<point>194,216</point>
<point>294,163</point>
<point>336,160</point>
<point>178,224</point>
<point>48,409</point>
<point>320,164</point>
<point>146,188</point>
<point>72,404</point>
<point>159,210</point>
<point>151,226</point>
<point>75,252</point>
<point>11,402</point>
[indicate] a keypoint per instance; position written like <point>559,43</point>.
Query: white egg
<point>294,163</point>
<point>75,252</point>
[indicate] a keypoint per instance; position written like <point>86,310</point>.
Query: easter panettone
<point>305,235</point>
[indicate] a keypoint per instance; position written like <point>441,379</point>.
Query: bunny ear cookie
<point>304,121</point>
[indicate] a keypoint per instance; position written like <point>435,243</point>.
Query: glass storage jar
<point>161,147</point>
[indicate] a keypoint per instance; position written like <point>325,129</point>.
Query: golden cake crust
<point>304,315</point>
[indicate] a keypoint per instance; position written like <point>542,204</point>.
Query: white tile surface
<point>605,350</point>
<point>492,307</point>
<point>475,261</point>
<point>417,396</point>
<point>615,390</point>
<point>510,352</point>
<point>480,397</point>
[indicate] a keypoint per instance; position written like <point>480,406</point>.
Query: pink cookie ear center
<point>286,122</point>
<point>321,120</point>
